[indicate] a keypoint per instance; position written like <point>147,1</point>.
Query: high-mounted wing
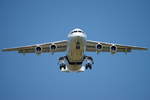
<point>94,46</point>
<point>59,46</point>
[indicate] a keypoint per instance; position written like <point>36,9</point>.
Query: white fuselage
<point>75,51</point>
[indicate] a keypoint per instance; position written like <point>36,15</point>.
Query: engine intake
<point>99,46</point>
<point>113,49</point>
<point>53,47</point>
<point>38,50</point>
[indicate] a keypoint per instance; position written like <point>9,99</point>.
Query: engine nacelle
<point>99,47</point>
<point>53,47</point>
<point>38,50</point>
<point>113,49</point>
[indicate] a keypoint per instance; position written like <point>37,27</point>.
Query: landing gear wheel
<point>62,66</point>
<point>88,66</point>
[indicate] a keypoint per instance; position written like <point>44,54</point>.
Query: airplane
<point>77,44</point>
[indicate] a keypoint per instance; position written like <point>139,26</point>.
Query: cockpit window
<point>76,31</point>
<point>73,31</point>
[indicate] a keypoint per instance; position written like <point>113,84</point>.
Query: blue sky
<point>114,77</point>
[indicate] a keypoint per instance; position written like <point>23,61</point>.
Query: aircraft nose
<point>77,35</point>
<point>80,35</point>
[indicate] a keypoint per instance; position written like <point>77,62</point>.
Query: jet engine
<point>53,47</point>
<point>113,49</point>
<point>38,50</point>
<point>99,46</point>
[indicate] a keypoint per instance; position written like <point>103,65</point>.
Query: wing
<point>94,46</point>
<point>59,46</point>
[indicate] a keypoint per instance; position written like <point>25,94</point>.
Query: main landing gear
<point>62,63</point>
<point>88,66</point>
<point>62,66</point>
<point>89,62</point>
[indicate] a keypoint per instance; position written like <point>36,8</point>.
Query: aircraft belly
<point>76,54</point>
<point>74,67</point>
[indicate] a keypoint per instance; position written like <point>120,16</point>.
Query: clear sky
<point>114,77</point>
